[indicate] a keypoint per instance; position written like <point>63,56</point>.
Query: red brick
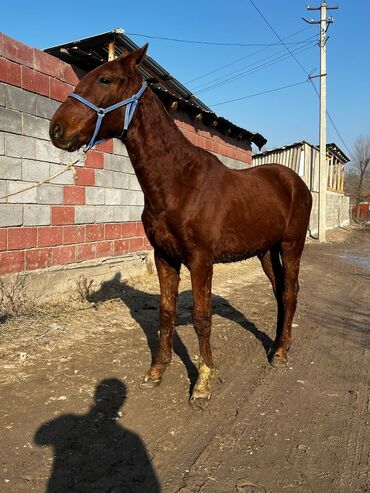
<point>140,229</point>
<point>73,234</point>
<point>38,259</point>
<point>10,72</point>
<point>113,231</point>
<point>94,159</point>
<point>59,90</point>
<point>74,195</point>
<point>208,144</point>
<point>136,244</point>
<point>62,215</point>
<point>69,75</point>
<point>85,252</point>
<point>35,82</point>
<point>104,249</point>
<point>17,51</point>
<point>22,238</point>
<point>11,262</point>
<point>128,230</point>
<point>85,176</point>
<point>215,147</point>
<point>49,236</point>
<point>1,44</point>
<point>121,247</point>
<point>94,232</point>
<point>48,64</point>
<point>64,255</point>
<point>3,238</point>
<point>106,146</point>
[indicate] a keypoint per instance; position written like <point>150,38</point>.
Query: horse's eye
<point>104,80</point>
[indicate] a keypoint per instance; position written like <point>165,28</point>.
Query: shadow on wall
<point>93,453</point>
<point>144,308</point>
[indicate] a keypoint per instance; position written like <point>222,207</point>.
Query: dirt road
<point>73,418</point>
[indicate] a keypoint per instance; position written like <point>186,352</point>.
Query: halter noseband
<point>131,104</point>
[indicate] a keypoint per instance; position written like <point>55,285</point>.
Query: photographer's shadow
<point>93,453</point>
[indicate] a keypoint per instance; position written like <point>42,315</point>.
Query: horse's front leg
<point>168,273</point>
<point>201,271</point>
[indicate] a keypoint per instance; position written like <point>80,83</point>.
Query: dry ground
<point>301,429</point>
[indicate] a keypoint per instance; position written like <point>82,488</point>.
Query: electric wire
<point>260,93</point>
<point>308,75</point>
<point>208,43</point>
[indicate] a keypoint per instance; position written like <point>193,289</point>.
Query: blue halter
<point>131,104</point>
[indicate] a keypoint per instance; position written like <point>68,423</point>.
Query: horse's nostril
<point>57,131</point>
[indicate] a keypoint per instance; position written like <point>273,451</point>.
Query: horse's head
<point>73,124</point>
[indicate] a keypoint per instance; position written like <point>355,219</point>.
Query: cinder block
<point>19,99</point>
<point>34,170</point>
<point>128,197</point>
<point>45,107</point>
<point>11,215</point>
<point>133,183</point>
<point>50,194</point>
<point>120,180</point>
<point>95,196</point>
<point>45,151</point>
<point>139,197</point>
<point>20,146</point>
<point>3,188</point>
<point>10,121</point>
<point>85,214</point>
<point>36,215</point>
<point>120,214</point>
<point>135,213</point>
<point>126,166</point>
<point>26,197</point>
<point>2,94</point>
<point>119,148</point>
<point>103,178</point>
<point>104,214</point>
<point>2,143</point>
<point>112,162</point>
<point>35,127</point>
<point>68,157</point>
<point>112,196</point>
<point>66,178</point>
<point>10,168</point>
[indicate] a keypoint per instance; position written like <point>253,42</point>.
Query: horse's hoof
<point>199,403</point>
<point>279,361</point>
<point>147,382</point>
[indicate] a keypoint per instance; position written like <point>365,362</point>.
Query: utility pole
<point>323,167</point>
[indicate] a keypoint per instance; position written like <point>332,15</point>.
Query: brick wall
<point>91,215</point>
<point>337,211</point>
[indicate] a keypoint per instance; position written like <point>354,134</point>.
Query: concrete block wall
<point>337,211</point>
<point>87,216</point>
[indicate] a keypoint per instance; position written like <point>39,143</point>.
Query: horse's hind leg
<point>273,269</point>
<point>291,252</point>
<point>201,270</point>
<point>168,273</point>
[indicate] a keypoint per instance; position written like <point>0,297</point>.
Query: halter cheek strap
<point>131,104</point>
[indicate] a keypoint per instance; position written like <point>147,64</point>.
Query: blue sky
<point>282,117</point>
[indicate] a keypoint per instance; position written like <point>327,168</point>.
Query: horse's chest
<point>161,236</point>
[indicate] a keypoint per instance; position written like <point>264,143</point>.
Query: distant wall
<point>337,211</point>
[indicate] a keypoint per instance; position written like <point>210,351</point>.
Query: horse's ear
<point>137,57</point>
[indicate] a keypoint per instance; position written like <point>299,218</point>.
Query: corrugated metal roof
<point>89,53</point>
<point>332,148</point>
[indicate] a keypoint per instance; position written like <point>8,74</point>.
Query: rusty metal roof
<point>89,53</point>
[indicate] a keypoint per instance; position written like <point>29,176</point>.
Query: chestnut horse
<point>197,211</point>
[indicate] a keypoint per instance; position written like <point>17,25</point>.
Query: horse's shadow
<point>144,308</point>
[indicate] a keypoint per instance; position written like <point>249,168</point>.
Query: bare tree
<point>358,179</point>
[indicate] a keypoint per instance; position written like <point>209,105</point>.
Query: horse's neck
<point>157,149</point>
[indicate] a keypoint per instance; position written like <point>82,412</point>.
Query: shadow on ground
<point>144,305</point>
<point>93,453</point>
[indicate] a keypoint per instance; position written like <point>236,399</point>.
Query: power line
<point>240,59</point>
<point>305,71</point>
<point>260,93</point>
<point>278,59</point>
<point>209,43</point>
